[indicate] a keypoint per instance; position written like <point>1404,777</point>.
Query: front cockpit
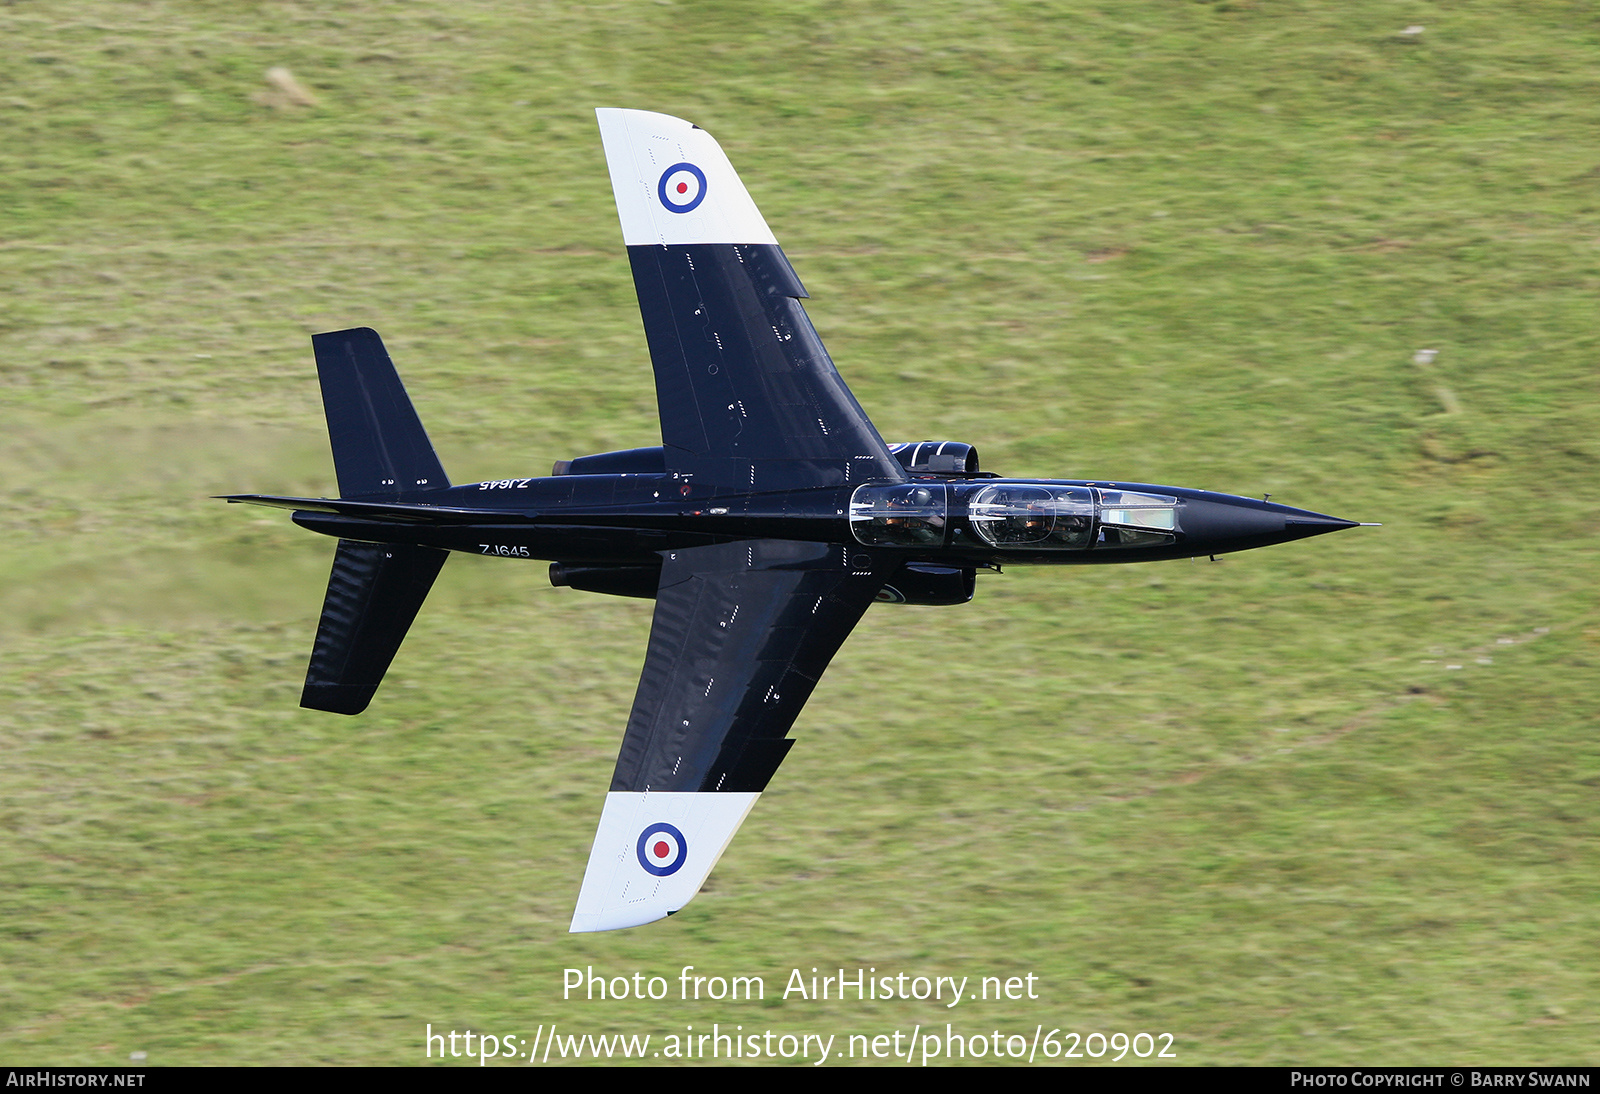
<point>1011,516</point>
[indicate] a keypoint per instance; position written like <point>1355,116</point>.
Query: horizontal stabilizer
<point>379,445</point>
<point>374,593</point>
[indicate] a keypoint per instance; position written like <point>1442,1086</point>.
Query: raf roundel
<point>682,187</point>
<point>662,849</point>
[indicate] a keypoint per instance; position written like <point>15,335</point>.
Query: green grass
<point>1332,802</point>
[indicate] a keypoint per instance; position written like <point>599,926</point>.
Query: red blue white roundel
<point>682,187</point>
<point>662,849</point>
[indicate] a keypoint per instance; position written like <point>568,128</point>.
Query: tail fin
<point>374,593</point>
<point>379,445</point>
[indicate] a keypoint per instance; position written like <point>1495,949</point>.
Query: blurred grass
<point>1252,803</point>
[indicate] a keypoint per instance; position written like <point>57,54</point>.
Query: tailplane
<point>374,593</point>
<point>379,445</point>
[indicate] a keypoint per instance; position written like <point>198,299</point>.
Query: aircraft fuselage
<point>628,519</point>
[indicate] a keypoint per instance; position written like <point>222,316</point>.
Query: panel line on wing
<point>733,623</point>
<point>746,392</point>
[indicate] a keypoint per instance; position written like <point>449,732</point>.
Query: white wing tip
<point>651,854</point>
<point>673,183</point>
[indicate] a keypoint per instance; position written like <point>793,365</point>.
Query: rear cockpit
<point>905,515</point>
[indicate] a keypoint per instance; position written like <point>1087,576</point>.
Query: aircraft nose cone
<point>1306,523</point>
<point>1236,524</point>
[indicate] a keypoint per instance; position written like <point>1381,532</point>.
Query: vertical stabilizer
<point>379,445</point>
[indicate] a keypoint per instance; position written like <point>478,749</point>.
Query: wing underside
<point>742,633</point>
<point>747,394</point>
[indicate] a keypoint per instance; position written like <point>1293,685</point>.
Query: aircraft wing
<point>742,633</point>
<point>748,396</point>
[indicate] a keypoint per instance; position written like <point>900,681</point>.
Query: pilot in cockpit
<point>913,517</point>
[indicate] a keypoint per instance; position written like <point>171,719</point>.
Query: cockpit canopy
<point>1025,516</point>
<point>911,515</point>
<point>1035,516</point>
<point>1131,519</point>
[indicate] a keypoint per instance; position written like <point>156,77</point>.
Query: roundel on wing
<point>682,187</point>
<point>890,595</point>
<point>662,849</point>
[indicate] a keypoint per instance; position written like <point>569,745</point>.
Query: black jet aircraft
<point>765,523</point>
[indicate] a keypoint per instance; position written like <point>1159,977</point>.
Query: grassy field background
<point>1332,802</point>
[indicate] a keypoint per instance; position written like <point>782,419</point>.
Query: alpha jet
<point>765,523</point>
